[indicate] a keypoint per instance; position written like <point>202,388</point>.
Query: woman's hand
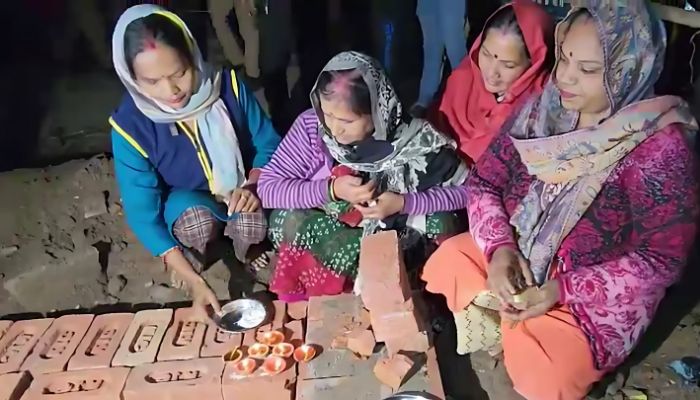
<point>243,200</point>
<point>508,273</point>
<point>351,189</point>
<point>547,297</point>
<point>203,298</point>
<point>386,205</point>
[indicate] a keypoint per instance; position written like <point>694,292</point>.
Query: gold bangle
<point>331,190</point>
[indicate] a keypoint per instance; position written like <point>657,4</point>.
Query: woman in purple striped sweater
<point>351,166</point>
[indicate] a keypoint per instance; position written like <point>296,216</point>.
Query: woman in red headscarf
<point>508,62</point>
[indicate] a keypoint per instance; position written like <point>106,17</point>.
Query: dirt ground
<point>64,245</point>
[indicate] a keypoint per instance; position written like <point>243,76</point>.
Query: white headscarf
<point>205,105</point>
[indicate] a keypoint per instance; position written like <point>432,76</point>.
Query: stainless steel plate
<point>241,315</point>
<point>412,396</point>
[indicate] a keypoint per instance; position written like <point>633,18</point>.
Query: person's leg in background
<point>452,17</point>
<point>219,11</point>
<point>246,16</point>
<point>433,50</point>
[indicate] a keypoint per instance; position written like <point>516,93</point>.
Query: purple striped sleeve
<point>435,199</point>
<point>285,181</point>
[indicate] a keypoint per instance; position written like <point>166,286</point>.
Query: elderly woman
<point>188,141</point>
<point>582,212</point>
<point>348,167</point>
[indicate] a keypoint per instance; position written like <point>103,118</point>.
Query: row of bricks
<point>173,380</point>
<point>207,378</point>
<point>328,317</point>
<point>75,342</point>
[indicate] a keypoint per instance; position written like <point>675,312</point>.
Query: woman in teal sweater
<point>188,142</point>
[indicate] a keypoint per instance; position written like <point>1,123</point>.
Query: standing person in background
<point>246,11</point>
<point>442,22</point>
<point>220,12</point>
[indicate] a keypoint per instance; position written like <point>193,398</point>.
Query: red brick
<point>258,386</point>
<point>339,307</point>
<point>12,386</point>
<point>294,332</point>
<point>101,341</point>
<point>249,338</point>
<point>339,388</point>
<point>361,342</point>
<point>297,309</point>
<point>330,362</point>
<point>395,324</point>
<point>142,340</point>
<point>89,384</point>
<point>176,380</point>
<point>19,341</point>
<point>4,326</point>
<point>434,377</point>
<point>280,317</point>
<point>217,341</point>
<point>392,371</point>
<point>58,344</point>
<point>415,343</point>
<point>383,280</point>
<point>183,340</point>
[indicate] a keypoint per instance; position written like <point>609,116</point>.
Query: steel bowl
<point>241,315</point>
<point>412,396</point>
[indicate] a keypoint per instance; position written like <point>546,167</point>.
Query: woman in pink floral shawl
<point>582,212</point>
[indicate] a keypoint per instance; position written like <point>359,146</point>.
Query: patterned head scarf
<point>413,144</point>
<point>205,106</point>
<point>572,165</point>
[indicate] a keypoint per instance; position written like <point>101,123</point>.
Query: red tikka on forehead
<point>149,43</point>
<point>339,86</point>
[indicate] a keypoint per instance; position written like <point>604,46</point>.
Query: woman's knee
<point>196,227</point>
<point>536,378</point>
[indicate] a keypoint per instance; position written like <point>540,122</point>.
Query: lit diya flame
<point>245,366</point>
<point>272,338</point>
<point>258,350</point>
<point>304,353</point>
<point>273,365</point>
<point>233,355</point>
<point>284,350</point>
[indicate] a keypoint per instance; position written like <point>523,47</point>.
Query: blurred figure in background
<point>443,24</point>
<point>246,15</point>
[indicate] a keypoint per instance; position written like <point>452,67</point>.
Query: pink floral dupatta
<point>572,165</point>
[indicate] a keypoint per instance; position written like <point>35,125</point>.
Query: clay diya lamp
<point>258,350</point>
<point>245,366</point>
<point>284,350</point>
<point>304,353</point>
<point>272,338</point>
<point>273,365</point>
<point>233,355</point>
